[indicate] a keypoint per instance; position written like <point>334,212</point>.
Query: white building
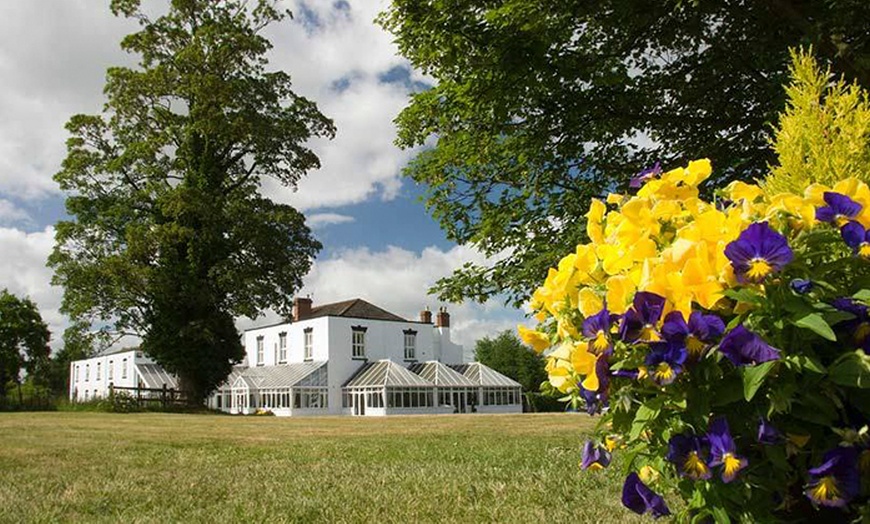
<point>355,358</point>
<point>124,368</point>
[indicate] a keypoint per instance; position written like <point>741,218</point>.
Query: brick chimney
<point>426,316</point>
<point>442,319</point>
<point>301,308</point>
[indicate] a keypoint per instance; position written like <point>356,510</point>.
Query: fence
<point>143,396</point>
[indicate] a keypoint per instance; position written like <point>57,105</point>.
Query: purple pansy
<point>665,361</point>
<point>743,347</point>
<point>723,451</point>
<point>647,174</point>
<point>597,329</point>
<point>639,323</point>
<point>840,209</point>
<point>859,327</point>
<point>857,238</point>
<point>687,453</point>
<point>801,286</point>
<point>767,433</point>
<point>637,497</point>
<point>697,335</point>
<point>594,457</point>
<point>758,252</point>
<point>837,480</point>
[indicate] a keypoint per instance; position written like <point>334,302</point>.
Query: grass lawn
<point>96,467</point>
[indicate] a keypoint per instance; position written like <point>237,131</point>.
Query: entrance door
<point>458,400</point>
<point>359,404</point>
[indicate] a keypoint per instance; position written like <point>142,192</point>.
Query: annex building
<point>350,358</point>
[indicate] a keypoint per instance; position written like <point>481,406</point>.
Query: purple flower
<point>723,451</point>
<point>640,321</point>
<point>686,451</point>
<point>758,252</point>
<point>594,457</point>
<point>767,433</point>
<point>597,400</point>
<point>858,327</point>
<point>665,361</point>
<point>632,374</point>
<point>743,347</point>
<point>597,329</point>
<point>837,480</point>
<point>696,335</point>
<point>857,238</point>
<point>647,174</point>
<point>840,209</point>
<point>637,497</point>
<point>801,286</point>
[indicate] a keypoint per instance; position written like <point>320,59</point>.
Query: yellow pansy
<point>537,340</point>
<point>594,219</point>
<point>620,292</point>
<point>583,363</point>
<point>589,303</point>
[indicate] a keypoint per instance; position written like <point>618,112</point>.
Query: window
<point>124,368</point>
<point>282,347</point>
<point>111,369</point>
<point>308,339</point>
<point>87,372</point>
<point>358,342</point>
<point>98,375</point>
<point>410,344</point>
<point>77,373</point>
<point>260,351</point>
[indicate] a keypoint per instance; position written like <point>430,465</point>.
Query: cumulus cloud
<point>10,213</point>
<point>316,220</point>
<point>24,274</point>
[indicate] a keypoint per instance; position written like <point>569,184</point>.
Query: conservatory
<point>453,389</point>
<point>293,389</point>
<point>386,388</point>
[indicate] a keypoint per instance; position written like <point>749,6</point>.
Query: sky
<point>379,243</point>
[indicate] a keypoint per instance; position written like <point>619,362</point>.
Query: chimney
<point>442,319</point>
<point>301,308</point>
<point>426,316</point>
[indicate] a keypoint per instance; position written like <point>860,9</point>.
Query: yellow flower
<point>697,171</point>
<point>584,364</point>
<point>589,302</point>
<point>743,191</point>
<point>594,219</point>
<point>539,341</point>
<point>620,292</point>
<point>648,474</point>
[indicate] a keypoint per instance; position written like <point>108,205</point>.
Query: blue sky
<point>379,242</point>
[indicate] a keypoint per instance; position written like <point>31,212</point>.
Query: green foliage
<point>507,355</point>
<point>169,237</point>
<point>823,136</point>
<point>23,342</point>
<point>540,105</point>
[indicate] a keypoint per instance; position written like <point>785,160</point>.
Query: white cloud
<point>23,273</point>
<point>10,213</point>
<point>318,220</point>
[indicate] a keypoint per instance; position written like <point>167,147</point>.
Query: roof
<point>154,376</point>
<point>355,308</point>
<point>114,351</point>
<point>485,376</point>
<point>440,375</point>
<point>385,373</point>
<point>283,376</point>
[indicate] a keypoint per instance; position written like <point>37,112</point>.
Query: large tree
<point>23,341</point>
<point>169,238</point>
<point>507,355</point>
<point>540,105</point>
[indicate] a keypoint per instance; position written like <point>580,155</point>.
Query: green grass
<point>148,467</point>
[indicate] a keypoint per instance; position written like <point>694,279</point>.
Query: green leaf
<point>815,323</point>
<point>745,295</point>
<point>862,295</point>
<point>646,413</point>
<point>805,362</point>
<point>851,370</point>
<point>753,377</point>
<point>720,516</point>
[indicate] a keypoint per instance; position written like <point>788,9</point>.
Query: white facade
<point>90,378</point>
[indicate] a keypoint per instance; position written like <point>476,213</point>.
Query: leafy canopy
<point>23,340</point>
<point>169,237</point>
<point>540,105</point>
<point>507,355</point>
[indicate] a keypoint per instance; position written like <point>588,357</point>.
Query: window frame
<point>282,347</point>
<point>308,344</point>
<point>410,335</point>
<point>358,342</point>
<point>261,350</point>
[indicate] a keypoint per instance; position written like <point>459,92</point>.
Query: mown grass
<point>148,467</point>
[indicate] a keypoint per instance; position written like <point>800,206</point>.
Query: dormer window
<point>260,351</point>
<point>358,342</point>
<point>308,339</point>
<point>410,344</point>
